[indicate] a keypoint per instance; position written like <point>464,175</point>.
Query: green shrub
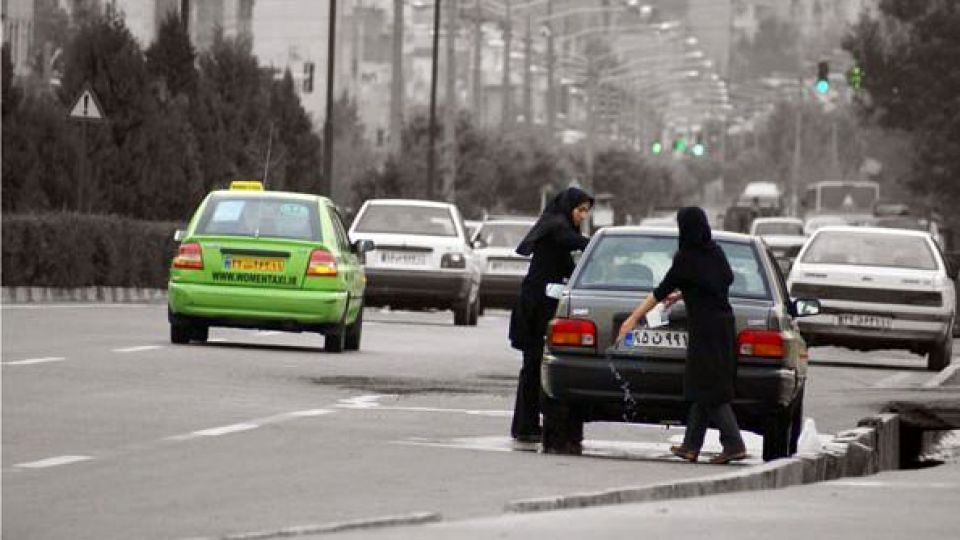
<point>82,250</point>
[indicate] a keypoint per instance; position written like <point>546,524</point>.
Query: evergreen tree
<point>172,57</point>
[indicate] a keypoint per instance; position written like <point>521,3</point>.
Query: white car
<point>783,235</point>
<point>878,289</point>
<point>815,222</point>
<point>423,257</point>
<point>503,268</point>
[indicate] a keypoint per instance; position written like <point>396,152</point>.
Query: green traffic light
<point>698,149</point>
<point>680,145</point>
<point>656,148</point>
<point>823,86</point>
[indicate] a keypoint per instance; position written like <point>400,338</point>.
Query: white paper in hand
<point>657,317</point>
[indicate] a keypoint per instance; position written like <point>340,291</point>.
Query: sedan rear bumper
<point>500,290</point>
<point>414,289</point>
<point>656,387</point>
<point>906,331</point>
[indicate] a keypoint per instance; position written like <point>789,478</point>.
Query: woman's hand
<point>628,325</point>
<point>672,299</point>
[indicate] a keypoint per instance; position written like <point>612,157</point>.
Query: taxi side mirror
<point>362,246</point>
<point>805,307</point>
<point>178,235</point>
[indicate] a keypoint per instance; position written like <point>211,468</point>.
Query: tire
<point>940,355</point>
<point>474,313</point>
<point>777,434</point>
<point>200,333</point>
<point>354,332</point>
<point>179,334</point>
<point>461,314</point>
<point>796,423</point>
<point>335,341</point>
<point>562,428</point>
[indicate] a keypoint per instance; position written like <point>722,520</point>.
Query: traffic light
<point>698,149</point>
<point>855,77</point>
<point>823,77</point>
<point>308,68</point>
<point>680,145</point>
<point>656,148</point>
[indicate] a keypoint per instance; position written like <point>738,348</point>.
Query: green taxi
<point>267,260</point>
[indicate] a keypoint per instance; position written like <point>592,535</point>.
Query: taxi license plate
<point>667,339</point>
<point>513,267</point>
<point>403,258</point>
<point>865,321</point>
<point>253,264</point>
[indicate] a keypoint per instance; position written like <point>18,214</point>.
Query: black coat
<point>702,273</point>
<point>550,241</point>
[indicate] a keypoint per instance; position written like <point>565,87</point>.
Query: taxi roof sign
<point>248,185</point>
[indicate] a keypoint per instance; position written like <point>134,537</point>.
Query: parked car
<point>812,224</point>
<point>269,260</point>
<point>503,268</point>
<point>588,377</point>
<point>880,289</point>
<point>783,235</point>
<point>424,258</point>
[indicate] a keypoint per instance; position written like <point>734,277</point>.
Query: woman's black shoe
<point>528,437</point>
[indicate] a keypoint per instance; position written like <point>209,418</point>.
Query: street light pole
<point>432,127</point>
<point>551,101</point>
<point>326,185</point>
<point>507,104</point>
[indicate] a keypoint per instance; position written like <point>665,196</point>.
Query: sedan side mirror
<point>178,235</point>
<point>805,307</point>
<point>363,246</point>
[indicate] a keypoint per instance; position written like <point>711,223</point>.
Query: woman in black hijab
<point>555,234</point>
<point>701,273</point>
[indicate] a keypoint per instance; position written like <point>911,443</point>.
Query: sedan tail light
<point>189,257</point>
<point>572,333</point>
<point>760,343</point>
<point>322,264</point>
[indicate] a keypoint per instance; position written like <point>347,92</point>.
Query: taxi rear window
<point>641,262</point>
<point>261,218</point>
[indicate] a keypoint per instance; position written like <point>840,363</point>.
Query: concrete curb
<point>872,447</point>
<point>420,518</point>
<point>49,295</point>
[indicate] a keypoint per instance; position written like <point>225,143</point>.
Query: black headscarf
<point>694,228</point>
<point>557,213</point>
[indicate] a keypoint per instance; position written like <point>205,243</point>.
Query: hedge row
<point>82,250</point>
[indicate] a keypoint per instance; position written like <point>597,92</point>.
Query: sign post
<point>86,109</point>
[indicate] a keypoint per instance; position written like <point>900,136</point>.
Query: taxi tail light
<point>322,264</point>
<point>189,256</point>
<point>572,333</point>
<point>760,343</point>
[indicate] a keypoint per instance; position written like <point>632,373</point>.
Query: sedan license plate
<point>645,337</point>
<point>865,321</point>
<point>253,264</point>
<point>403,258</point>
<point>509,267</point>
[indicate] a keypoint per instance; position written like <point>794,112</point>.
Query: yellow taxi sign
<point>249,185</point>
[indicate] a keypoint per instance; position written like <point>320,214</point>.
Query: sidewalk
<point>891,505</point>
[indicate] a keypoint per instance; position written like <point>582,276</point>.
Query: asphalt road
<point>109,431</point>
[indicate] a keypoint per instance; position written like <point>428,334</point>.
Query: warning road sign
<point>87,107</point>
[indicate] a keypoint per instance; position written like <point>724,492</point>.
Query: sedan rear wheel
<point>562,428</point>
<point>461,313</point>
<point>940,355</point>
<point>777,434</point>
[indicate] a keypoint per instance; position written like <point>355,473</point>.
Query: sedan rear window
<point>261,217</point>
<point>781,228</point>
<point>871,249</point>
<point>406,219</point>
<point>641,262</point>
<point>504,234</point>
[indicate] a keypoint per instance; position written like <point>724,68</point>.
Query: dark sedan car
<point>588,377</point>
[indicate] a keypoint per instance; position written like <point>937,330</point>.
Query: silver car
<point>880,289</point>
<point>589,378</point>
<point>503,269</point>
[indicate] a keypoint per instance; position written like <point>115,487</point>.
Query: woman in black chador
<point>551,240</point>
<point>701,273</point>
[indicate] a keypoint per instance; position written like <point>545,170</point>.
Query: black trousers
<point>526,409</point>
<point>723,417</point>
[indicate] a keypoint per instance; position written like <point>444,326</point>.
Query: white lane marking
<point>367,401</point>
<point>93,305</point>
<point>216,340</point>
<point>138,349</point>
<point>892,381</point>
<point>372,401</point>
<point>31,361</point>
<point>881,484</point>
<point>52,462</point>
<point>942,377</point>
<point>224,430</point>
<point>249,424</point>
<point>268,332</point>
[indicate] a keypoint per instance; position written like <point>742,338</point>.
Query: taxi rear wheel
<point>179,334</point>
<point>335,341</point>
<point>354,332</point>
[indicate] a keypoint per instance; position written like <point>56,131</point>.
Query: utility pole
<point>396,81</point>
<point>478,62</point>
<point>432,127</point>
<point>506,111</point>
<point>450,111</point>
<point>326,183</point>
<point>528,73</point>
<point>551,59</point>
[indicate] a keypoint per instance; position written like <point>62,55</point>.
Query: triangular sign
<point>87,107</point>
